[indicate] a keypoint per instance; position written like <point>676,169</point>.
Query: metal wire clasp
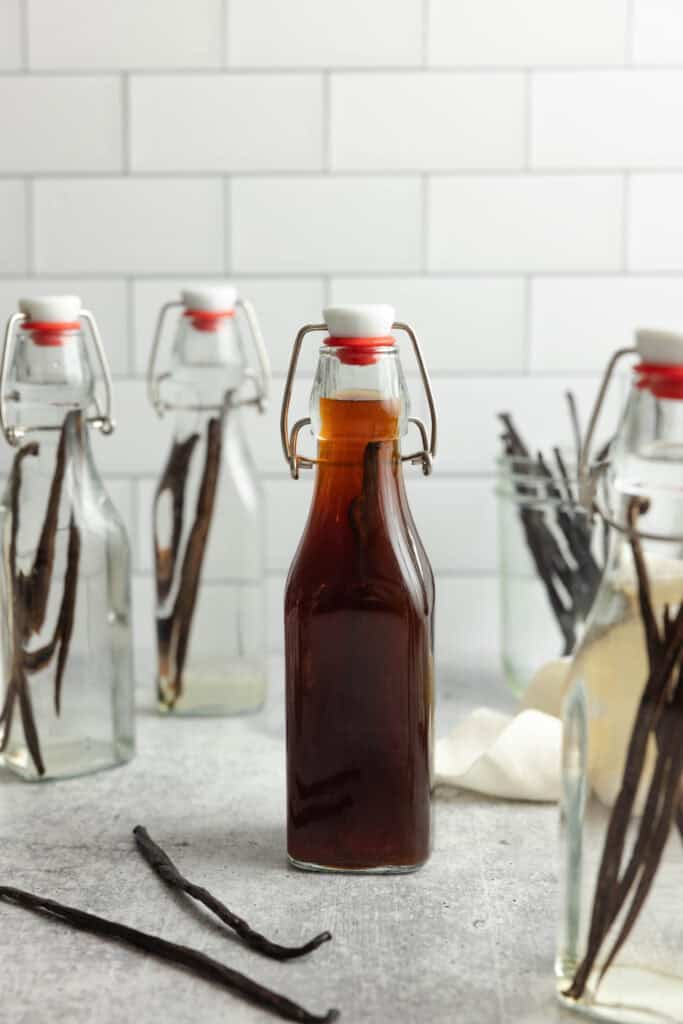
<point>586,478</point>
<point>104,421</point>
<point>423,457</point>
<point>590,476</point>
<point>260,379</point>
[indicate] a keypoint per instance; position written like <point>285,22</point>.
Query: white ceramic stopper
<point>52,309</point>
<point>363,321</point>
<point>209,298</point>
<point>660,347</point>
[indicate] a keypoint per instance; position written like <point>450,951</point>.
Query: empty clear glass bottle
<point>620,956</point>
<point>66,685</point>
<point>208,514</point>
<point>359,607</point>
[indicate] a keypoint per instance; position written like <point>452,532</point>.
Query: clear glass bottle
<point>550,564</point>
<point>359,606</point>
<point>66,690</point>
<point>208,514</point>
<point>620,956</point>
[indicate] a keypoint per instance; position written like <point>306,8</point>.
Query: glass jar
<point>551,558</point>
<point>66,687</point>
<point>620,956</point>
<point>208,513</point>
<point>359,607</point>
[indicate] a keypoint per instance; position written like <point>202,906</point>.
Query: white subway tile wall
<point>510,176</point>
<point>41,119</point>
<point>11,49</point>
<point>325,223</point>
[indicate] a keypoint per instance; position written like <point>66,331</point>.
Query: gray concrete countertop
<point>469,939</point>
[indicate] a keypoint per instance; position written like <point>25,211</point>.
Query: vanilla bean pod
<point>576,425</point>
<point>17,687</point>
<point>173,482</point>
<point>570,580</point>
<point>30,594</point>
<point>166,869</point>
<point>540,541</point>
<point>174,630</point>
<point>170,952</point>
<point>658,717</point>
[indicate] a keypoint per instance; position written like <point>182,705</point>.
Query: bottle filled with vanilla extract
<point>359,607</point>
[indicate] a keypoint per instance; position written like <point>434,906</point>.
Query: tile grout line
<point>528,121</point>
<point>625,222</point>
<point>426,19</point>
<point>134,523</point>
<point>29,199</point>
<point>366,174</point>
<point>227,225</point>
<point>225,28</point>
<point>465,70</point>
<point>326,114</point>
<point>425,211</point>
<point>527,323</point>
<point>630,40</point>
<point>314,273</point>
<point>24,40</point>
<point>126,124</point>
<point>130,324</point>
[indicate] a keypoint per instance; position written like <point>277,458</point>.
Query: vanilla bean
<point>166,869</point>
<point>576,425</point>
<point>40,576</point>
<point>18,683</point>
<point>174,630</point>
<point>658,716</point>
<point>671,749</point>
<point>173,481</point>
<point>67,610</point>
<point>30,594</point>
<point>570,580</point>
<point>170,952</point>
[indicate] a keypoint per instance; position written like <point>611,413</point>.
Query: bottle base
<point>208,710</point>
<point>68,759</point>
<point>208,693</point>
<point>384,869</point>
<point>628,995</point>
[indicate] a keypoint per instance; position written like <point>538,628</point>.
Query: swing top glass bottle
<point>208,519</point>
<point>359,606</point>
<point>66,687</point>
<point>620,956</point>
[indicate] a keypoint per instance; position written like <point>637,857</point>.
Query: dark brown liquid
<point>358,625</point>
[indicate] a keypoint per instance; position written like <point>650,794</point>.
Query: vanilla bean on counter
<point>170,952</point>
<point>166,869</point>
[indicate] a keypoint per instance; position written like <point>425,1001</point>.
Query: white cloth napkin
<point>516,757</point>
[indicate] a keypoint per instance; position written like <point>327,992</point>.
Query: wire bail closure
<point>423,457</point>
<point>104,421</point>
<point>590,478</point>
<point>260,378</point>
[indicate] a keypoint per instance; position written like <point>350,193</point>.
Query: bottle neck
<point>647,463</point>
<point>358,412</point>
<point>208,361</point>
<point>51,376</point>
